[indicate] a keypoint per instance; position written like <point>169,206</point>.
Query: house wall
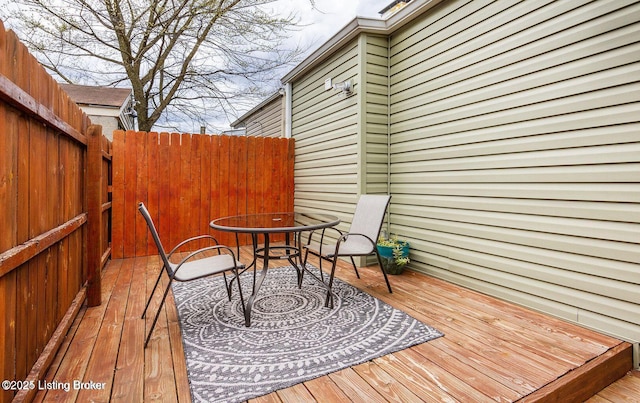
<point>327,143</point>
<point>375,112</point>
<point>109,124</point>
<point>515,153</point>
<point>267,121</point>
<point>342,141</point>
<point>110,118</point>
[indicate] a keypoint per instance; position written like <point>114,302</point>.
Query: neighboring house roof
<point>360,25</point>
<point>97,96</point>
<point>107,106</point>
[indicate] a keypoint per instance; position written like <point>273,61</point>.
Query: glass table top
<point>275,222</point>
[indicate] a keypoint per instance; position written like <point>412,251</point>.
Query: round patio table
<point>273,223</point>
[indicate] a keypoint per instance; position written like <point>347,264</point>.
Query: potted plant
<point>394,254</point>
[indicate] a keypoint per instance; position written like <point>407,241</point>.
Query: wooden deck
<point>491,351</point>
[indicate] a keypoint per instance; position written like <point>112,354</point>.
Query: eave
<point>357,26</point>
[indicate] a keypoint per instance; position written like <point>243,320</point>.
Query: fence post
<point>94,214</point>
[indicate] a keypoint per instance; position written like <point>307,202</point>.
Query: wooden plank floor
<point>491,351</point>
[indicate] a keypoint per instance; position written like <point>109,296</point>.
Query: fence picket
<point>251,174</point>
<point>8,290</point>
<point>142,181</point>
<point>290,191</point>
<point>54,195</point>
<point>242,181</point>
<point>195,221</point>
<point>260,170</point>
<point>164,196</point>
<point>117,216</point>
<point>224,181</point>
<point>233,187</point>
<point>215,209</point>
<point>172,184</point>
<point>130,202</point>
<point>153,196</point>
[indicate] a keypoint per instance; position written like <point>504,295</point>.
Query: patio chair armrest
<point>215,247</point>
<point>321,234</point>
<point>175,248</point>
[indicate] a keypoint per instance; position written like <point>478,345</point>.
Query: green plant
<point>400,250</point>
<point>399,258</point>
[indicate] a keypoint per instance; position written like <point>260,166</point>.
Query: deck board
<point>127,386</point>
<point>492,350</point>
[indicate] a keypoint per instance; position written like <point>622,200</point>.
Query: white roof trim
<point>357,26</point>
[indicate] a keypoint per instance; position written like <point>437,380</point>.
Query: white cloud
<point>327,17</point>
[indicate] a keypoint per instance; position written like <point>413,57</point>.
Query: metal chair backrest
<point>156,238</point>
<point>369,215</point>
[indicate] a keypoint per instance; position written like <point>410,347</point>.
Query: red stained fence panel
<point>54,230</point>
<point>187,180</point>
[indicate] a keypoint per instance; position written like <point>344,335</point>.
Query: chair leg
<point>330,285</point>
<point>155,319</point>
<point>153,291</point>
<point>384,273</point>
<point>304,267</point>
<point>320,259</point>
<point>237,274</point>
<point>353,262</point>
<point>228,284</point>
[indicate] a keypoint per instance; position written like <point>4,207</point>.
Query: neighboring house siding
<point>109,124</point>
<point>325,128</point>
<point>515,153</point>
<point>267,121</point>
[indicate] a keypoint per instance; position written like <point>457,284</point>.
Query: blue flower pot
<point>388,261</point>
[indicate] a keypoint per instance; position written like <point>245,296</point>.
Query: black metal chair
<point>359,241</point>
<point>189,269</point>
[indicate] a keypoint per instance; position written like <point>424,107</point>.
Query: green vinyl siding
<point>515,153</point>
<point>376,114</point>
<point>325,128</point>
<point>508,136</point>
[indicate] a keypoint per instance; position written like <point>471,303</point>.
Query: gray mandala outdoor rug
<point>293,337</point>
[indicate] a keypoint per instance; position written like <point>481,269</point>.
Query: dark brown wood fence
<point>187,180</point>
<point>50,222</point>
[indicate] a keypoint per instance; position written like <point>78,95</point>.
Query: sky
<point>320,22</point>
<point>328,16</point>
<point>317,23</point>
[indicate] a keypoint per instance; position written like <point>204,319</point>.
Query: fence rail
<point>186,180</point>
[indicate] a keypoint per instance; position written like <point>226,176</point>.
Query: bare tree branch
<point>184,59</point>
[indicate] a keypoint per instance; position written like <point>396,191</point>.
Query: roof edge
<point>357,26</point>
<point>271,98</point>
